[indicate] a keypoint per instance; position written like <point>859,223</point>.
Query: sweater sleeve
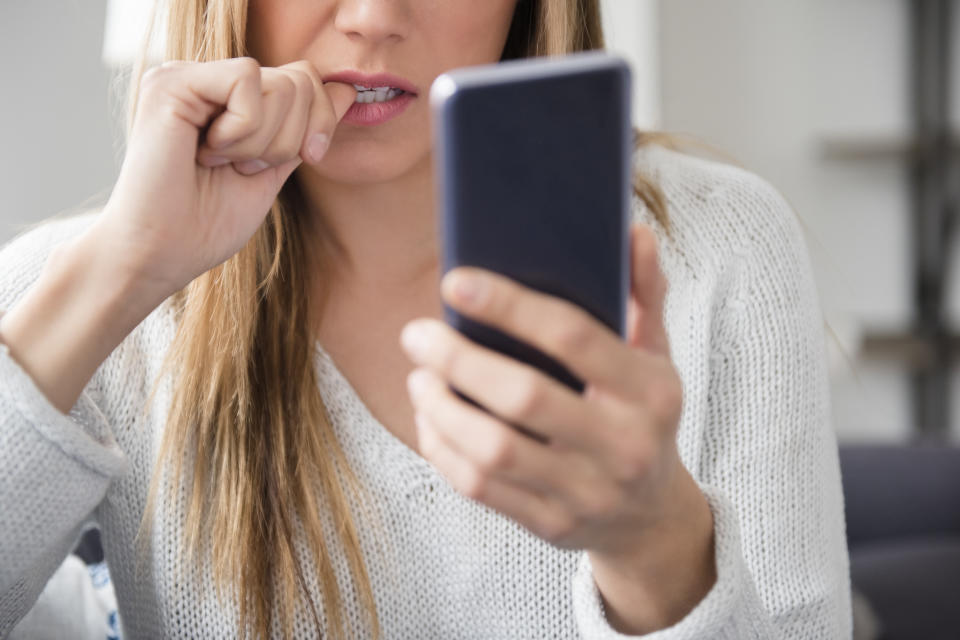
<point>768,462</point>
<point>54,468</point>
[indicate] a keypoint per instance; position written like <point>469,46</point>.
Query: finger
<point>540,516</point>
<point>333,101</point>
<point>633,321</point>
<point>330,102</point>
<point>648,293</point>
<point>222,97</point>
<point>491,446</point>
<point>287,141</point>
<point>514,391</point>
<point>247,153</point>
<point>236,85</point>
<point>555,326</point>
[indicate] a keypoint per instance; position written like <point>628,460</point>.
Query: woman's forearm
<point>80,309</point>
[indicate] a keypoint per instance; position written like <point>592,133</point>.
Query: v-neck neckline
<point>385,438</point>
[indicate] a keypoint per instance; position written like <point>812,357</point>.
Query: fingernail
<point>417,382</point>
<point>414,339</point>
<point>467,289</point>
<point>249,167</point>
<point>317,146</point>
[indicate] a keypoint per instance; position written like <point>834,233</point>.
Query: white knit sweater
<point>747,338</point>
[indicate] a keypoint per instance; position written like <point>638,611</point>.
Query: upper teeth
<point>376,94</point>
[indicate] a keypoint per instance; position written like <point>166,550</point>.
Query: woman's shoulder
<point>717,210</point>
<point>22,258</point>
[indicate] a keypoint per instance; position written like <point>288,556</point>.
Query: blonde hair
<point>248,434</point>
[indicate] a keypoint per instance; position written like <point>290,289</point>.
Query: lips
<point>372,80</point>
<point>366,113</point>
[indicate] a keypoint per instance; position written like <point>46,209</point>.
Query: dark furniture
<point>903,532</point>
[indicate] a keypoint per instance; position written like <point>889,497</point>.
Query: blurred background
<point>847,106</point>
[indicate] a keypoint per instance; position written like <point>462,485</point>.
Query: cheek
<point>465,33</point>
<point>279,31</point>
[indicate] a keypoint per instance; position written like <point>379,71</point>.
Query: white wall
<point>631,28</point>
<point>768,82</point>
<point>54,119</point>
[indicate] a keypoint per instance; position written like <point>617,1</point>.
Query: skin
<point>181,207</point>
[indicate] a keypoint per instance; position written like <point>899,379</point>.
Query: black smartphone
<point>532,160</point>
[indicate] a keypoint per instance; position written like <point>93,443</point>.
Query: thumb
<point>646,327</point>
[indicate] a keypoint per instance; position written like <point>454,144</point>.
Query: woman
<point>267,257</point>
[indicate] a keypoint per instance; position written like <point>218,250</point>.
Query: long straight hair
<point>248,440</point>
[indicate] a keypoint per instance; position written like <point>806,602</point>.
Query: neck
<point>382,236</point>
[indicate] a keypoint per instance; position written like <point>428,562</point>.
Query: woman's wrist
<point>84,304</point>
<point>667,573</point>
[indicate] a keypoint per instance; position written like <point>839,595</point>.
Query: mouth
<point>381,97</point>
<point>374,87</point>
<point>368,95</point>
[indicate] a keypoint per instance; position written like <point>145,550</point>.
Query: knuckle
<point>666,399</point>
<point>302,83</point>
<point>286,87</point>
<point>305,67</point>
<point>633,461</point>
<point>249,167</point>
<point>247,66</point>
<point>243,127</point>
<point>278,154</point>
<point>449,357</point>
<point>600,504</point>
<point>253,148</point>
<point>155,77</point>
<point>474,484</point>
<point>557,527</point>
<point>444,407</point>
<point>497,302</point>
<point>427,445</point>
<point>573,336</point>
<point>528,398</point>
<point>501,452</point>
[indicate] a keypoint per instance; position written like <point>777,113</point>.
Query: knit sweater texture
<point>747,338</point>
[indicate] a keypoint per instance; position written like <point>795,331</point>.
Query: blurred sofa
<point>903,532</point>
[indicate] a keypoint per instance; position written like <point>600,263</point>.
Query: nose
<point>376,21</point>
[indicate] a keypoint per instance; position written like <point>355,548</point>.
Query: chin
<point>358,163</point>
